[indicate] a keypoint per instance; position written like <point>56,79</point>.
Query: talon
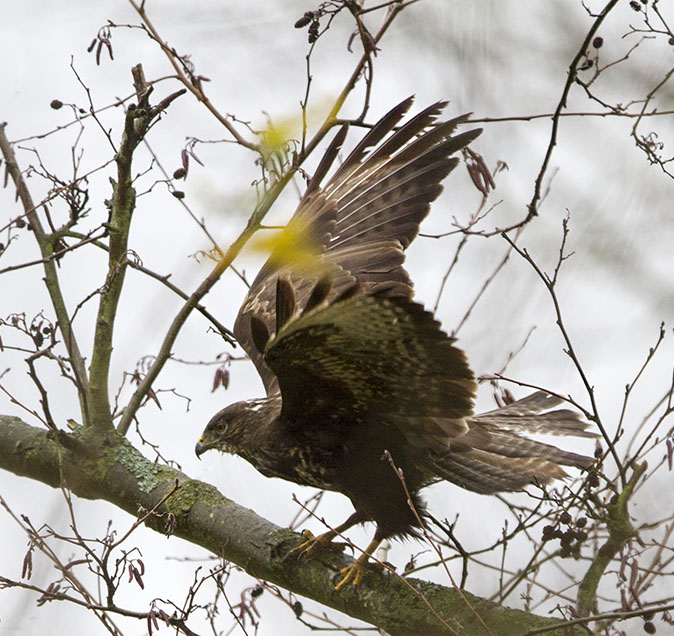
<point>312,543</point>
<point>305,547</point>
<point>355,572</point>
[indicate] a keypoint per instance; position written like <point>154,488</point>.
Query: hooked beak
<point>200,449</point>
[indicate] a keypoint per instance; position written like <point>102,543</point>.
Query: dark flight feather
<point>369,209</point>
<point>260,333</point>
<point>318,294</point>
<point>327,160</point>
<point>285,302</point>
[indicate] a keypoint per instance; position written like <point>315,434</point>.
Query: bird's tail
<point>495,456</point>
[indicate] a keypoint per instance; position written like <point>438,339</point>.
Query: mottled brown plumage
<point>353,367</point>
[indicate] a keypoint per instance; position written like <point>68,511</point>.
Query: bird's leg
<point>354,573</point>
<point>323,540</point>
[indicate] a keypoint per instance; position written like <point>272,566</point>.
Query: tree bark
<point>108,467</point>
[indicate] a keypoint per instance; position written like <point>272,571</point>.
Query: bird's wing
<point>359,224</point>
<point>372,359</point>
<point>362,359</point>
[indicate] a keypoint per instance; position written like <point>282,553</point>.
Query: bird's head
<point>233,429</point>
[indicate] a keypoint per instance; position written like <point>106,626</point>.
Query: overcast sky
<point>494,59</point>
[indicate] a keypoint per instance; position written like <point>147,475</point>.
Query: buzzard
<point>358,374</point>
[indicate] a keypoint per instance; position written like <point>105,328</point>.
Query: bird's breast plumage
<point>301,464</point>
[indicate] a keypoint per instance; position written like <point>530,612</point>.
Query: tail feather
<point>493,455</point>
<point>489,473</point>
<point>526,415</point>
<point>508,444</point>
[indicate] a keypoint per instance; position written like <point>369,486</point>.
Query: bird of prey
<point>359,377</point>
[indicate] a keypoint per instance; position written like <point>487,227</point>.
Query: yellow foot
<point>353,574</point>
<point>312,544</point>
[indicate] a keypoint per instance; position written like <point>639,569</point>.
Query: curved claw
<point>312,544</point>
<point>303,548</point>
<point>353,574</point>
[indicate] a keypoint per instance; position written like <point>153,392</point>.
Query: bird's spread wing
<point>361,221</point>
<point>371,359</point>
<point>366,359</point>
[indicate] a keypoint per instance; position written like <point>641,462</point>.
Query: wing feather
<point>285,302</point>
<point>363,218</point>
<point>372,355</point>
<point>376,359</point>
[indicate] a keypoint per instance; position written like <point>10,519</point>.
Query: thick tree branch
<point>107,467</point>
<point>122,205</point>
<point>620,530</point>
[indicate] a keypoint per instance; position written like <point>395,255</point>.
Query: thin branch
<point>532,117</point>
<point>51,278</point>
<point>194,299</point>
<point>427,536</point>
<point>192,83</point>
<point>570,349</point>
<point>571,78</point>
<point>53,256</point>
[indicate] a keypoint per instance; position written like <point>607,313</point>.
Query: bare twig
<point>51,279</point>
<point>570,349</point>
<point>570,79</point>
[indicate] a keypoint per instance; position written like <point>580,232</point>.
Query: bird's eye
<point>220,427</point>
